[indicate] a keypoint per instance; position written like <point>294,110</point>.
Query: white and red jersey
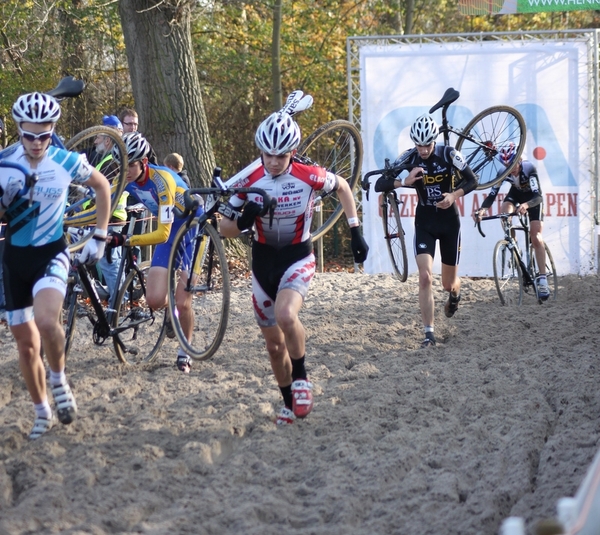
<point>295,194</point>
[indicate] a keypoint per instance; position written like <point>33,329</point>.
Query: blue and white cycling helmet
<point>36,108</point>
<point>424,130</point>
<point>507,154</point>
<point>136,146</point>
<point>278,134</point>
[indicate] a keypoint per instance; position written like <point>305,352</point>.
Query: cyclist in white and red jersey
<point>433,177</point>
<point>283,263</point>
<point>524,195</point>
<point>36,260</point>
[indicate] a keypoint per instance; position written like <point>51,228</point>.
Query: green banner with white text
<point>499,7</point>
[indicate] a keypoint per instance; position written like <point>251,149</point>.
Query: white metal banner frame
<point>389,73</point>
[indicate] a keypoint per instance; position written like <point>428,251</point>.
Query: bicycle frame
<point>102,324</point>
<point>527,264</point>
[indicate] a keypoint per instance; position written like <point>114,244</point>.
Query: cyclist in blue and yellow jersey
<point>36,259</point>
<point>436,218</point>
<point>160,190</point>
<point>524,195</point>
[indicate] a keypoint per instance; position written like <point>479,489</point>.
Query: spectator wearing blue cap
<point>113,121</point>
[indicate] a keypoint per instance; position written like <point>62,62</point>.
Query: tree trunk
<point>410,12</point>
<point>276,57</point>
<point>165,82</point>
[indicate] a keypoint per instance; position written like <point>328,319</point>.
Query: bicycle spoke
<point>507,275</point>
<point>493,129</point>
<point>336,146</point>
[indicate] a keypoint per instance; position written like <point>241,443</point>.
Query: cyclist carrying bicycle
<point>36,259</point>
<point>524,195</point>
<point>283,263</point>
<point>160,190</point>
<point>432,175</point>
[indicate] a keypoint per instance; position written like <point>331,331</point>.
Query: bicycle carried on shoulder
<point>515,269</point>
<point>336,146</point>
<point>480,143</point>
<point>198,267</point>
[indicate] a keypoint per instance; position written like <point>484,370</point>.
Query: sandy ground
<point>500,419</point>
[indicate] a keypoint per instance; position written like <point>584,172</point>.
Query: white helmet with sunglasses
<point>36,108</point>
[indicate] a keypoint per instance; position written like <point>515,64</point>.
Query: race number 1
<point>166,214</point>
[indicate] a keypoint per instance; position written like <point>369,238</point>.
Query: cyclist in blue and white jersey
<point>524,195</point>
<point>160,190</point>
<point>283,263</point>
<point>433,177</point>
<point>36,260</point>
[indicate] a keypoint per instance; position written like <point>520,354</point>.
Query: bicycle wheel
<point>551,275</point>
<point>80,209</point>
<point>481,140</point>
<point>394,235</point>
<point>133,317</point>
<point>336,146</point>
<point>507,275</point>
<point>198,269</point>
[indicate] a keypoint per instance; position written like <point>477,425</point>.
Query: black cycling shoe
<point>169,327</point>
<point>451,305</point>
<point>429,340</point>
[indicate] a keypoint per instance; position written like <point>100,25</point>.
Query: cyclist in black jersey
<point>433,177</point>
<point>524,195</point>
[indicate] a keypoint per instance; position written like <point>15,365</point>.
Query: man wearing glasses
<point>36,259</point>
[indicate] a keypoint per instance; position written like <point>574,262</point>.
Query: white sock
<point>428,329</point>
<point>43,410</point>
<point>58,378</point>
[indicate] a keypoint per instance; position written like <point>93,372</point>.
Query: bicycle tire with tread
<point>80,143</point>
<point>336,146</point>
<point>211,299</point>
<point>394,236</point>
<point>507,275</point>
<point>496,127</point>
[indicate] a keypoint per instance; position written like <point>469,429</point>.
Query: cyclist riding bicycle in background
<point>283,263</point>
<point>524,195</point>
<point>433,177</point>
<point>36,259</point>
<point>160,190</point>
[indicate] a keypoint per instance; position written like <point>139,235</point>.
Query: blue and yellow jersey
<point>160,191</point>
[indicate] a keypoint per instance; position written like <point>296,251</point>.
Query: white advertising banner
<point>546,81</point>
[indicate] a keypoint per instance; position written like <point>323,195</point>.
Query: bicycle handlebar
<point>30,179</point>
<point>503,215</point>
<point>191,204</point>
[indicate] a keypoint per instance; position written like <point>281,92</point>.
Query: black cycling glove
<point>384,184</point>
<point>360,249</point>
<point>250,213</point>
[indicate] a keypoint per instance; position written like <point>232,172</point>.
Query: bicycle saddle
<point>68,87</point>
<point>449,97</point>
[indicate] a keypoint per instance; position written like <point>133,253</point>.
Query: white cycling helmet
<point>36,108</point>
<point>424,130</point>
<point>136,146</point>
<point>278,134</point>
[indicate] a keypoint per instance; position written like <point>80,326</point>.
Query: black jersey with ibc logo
<point>438,178</point>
